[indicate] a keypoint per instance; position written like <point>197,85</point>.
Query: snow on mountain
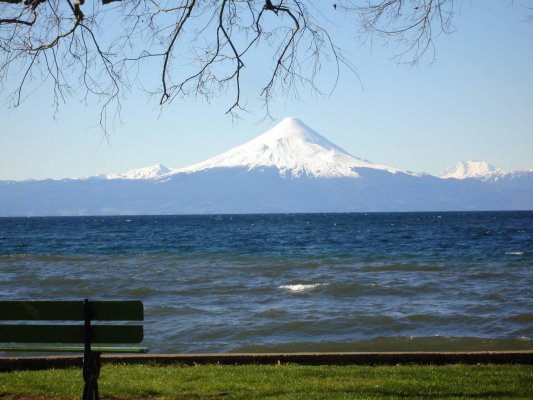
<point>151,172</point>
<point>470,169</point>
<point>295,150</point>
<point>251,178</point>
<point>480,170</point>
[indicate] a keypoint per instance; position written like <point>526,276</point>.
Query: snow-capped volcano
<point>151,172</point>
<point>481,170</point>
<point>257,177</point>
<point>295,150</point>
<point>471,169</point>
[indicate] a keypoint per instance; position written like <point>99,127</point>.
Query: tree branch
<point>200,49</point>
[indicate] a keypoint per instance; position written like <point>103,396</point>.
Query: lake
<point>290,282</point>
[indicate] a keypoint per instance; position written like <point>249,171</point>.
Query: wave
<point>272,313</point>
<point>514,253</point>
<point>378,289</point>
<point>403,267</point>
<point>526,318</point>
<point>402,343</point>
<point>302,287</point>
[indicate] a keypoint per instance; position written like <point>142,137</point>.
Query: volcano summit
<point>295,150</point>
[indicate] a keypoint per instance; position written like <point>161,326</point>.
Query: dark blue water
<point>303,282</point>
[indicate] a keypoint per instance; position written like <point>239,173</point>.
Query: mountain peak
<point>291,127</point>
<point>291,122</point>
<point>294,149</point>
<point>151,172</point>
<point>471,169</point>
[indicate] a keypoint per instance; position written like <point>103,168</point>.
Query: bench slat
<point>70,310</point>
<point>70,333</point>
<point>73,349</point>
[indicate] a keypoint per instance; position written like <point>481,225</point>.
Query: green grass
<point>279,382</point>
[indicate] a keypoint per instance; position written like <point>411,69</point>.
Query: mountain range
<point>288,169</point>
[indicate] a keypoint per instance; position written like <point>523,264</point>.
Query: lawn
<point>278,382</point>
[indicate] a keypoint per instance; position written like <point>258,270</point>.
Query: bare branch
<point>181,22</point>
<point>412,24</point>
<point>99,50</point>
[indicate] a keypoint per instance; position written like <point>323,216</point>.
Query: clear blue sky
<point>474,102</point>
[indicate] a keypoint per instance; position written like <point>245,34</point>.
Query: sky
<point>474,102</point>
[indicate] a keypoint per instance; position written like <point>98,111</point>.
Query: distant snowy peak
<point>480,170</point>
<point>295,150</point>
<point>152,172</point>
<point>471,169</point>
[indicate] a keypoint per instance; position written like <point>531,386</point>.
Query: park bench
<point>30,329</point>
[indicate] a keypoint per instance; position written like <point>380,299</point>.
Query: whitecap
<point>298,288</point>
<point>514,253</point>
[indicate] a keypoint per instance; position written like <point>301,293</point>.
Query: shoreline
<point>353,358</point>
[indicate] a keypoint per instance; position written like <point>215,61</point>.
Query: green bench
<point>29,329</point>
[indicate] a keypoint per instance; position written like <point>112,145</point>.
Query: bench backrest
<point>19,330</point>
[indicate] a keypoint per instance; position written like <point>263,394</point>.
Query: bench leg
<point>91,371</point>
